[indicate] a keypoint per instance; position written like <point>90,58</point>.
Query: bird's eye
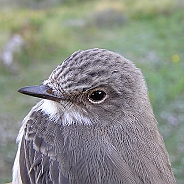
<point>97,96</point>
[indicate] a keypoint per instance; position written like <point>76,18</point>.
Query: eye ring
<point>97,96</point>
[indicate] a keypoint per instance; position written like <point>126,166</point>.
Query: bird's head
<point>94,85</point>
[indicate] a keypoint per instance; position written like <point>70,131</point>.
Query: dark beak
<point>41,91</point>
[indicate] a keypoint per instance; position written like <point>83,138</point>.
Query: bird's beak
<point>41,91</point>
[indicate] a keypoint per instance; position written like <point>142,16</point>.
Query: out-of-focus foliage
<point>150,33</point>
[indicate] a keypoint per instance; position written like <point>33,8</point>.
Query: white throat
<point>69,115</point>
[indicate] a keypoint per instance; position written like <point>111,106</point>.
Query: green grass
<point>152,37</point>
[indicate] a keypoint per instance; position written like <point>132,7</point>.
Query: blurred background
<point>37,35</point>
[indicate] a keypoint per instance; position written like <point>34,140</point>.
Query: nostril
<point>49,91</point>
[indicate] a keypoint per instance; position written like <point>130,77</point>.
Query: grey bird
<point>94,125</point>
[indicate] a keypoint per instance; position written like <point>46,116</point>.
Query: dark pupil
<point>97,95</point>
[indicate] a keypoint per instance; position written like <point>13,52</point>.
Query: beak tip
<point>28,90</point>
<point>20,90</point>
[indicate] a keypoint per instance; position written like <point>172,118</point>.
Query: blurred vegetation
<point>150,33</point>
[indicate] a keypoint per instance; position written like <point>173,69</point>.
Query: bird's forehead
<point>89,62</point>
<point>85,69</point>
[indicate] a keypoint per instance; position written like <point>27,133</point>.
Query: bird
<point>93,125</point>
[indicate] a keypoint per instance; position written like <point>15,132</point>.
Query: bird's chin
<point>51,108</point>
